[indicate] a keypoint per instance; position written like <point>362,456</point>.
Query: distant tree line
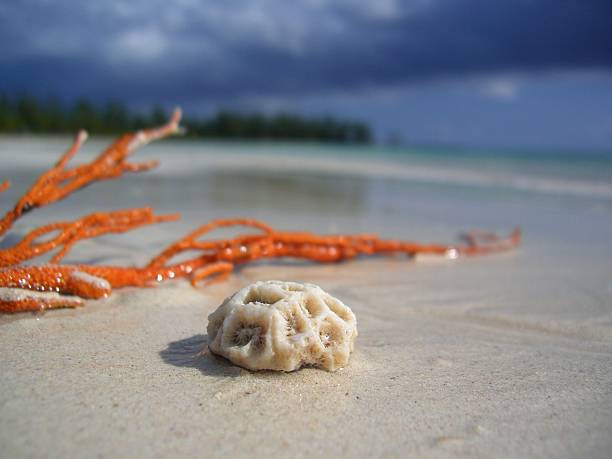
<point>26,114</point>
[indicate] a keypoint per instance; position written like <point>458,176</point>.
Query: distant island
<point>27,114</point>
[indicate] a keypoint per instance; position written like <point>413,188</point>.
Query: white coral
<point>275,325</point>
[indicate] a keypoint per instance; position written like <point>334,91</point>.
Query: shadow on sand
<point>193,353</point>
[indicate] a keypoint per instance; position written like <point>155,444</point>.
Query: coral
<point>214,258</point>
<point>275,325</point>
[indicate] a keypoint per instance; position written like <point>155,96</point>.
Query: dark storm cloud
<point>210,50</point>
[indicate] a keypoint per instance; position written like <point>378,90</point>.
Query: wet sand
<point>502,356</point>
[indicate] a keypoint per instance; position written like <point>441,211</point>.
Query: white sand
<point>502,356</point>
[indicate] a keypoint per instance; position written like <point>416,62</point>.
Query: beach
<point>507,355</point>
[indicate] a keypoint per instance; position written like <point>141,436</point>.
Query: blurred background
<point>410,118</point>
<point>525,74</point>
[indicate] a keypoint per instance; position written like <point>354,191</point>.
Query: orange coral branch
<point>69,233</point>
<point>53,185</point>
<point>58,182</point>
<point>221,256</point>
<point>17,300</point>
<point>26,288</point>
<point>189,242</point>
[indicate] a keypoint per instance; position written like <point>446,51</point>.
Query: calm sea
<point>585,173</point>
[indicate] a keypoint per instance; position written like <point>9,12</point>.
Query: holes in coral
<point>258,342</point>
<point>313,306</point>
<point>249,333</point>
<point>263,296</point>
<point>243,334</point>
<point>290,324</point>
<point>294,323</point>
<point>337,308</point>
<point>330,335</point>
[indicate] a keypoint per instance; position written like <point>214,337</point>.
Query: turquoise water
<point>565,173</point>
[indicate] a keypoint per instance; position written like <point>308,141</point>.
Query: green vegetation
<point>27,114</point>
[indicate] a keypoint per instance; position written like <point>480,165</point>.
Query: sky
<point>484,73</point>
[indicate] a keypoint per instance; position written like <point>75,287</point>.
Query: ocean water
<point>324,176</point>
<point>380,182</point>
<point>568,173</point>
<point>576,173</point>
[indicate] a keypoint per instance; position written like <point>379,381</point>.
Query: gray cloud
<point>205,50</point>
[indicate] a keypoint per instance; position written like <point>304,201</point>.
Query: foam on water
<point>582,175</point>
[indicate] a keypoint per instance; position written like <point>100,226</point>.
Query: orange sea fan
<point>39,287</point>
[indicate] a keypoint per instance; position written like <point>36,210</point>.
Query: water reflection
<point>225,191</point>
<point>302,192</point>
